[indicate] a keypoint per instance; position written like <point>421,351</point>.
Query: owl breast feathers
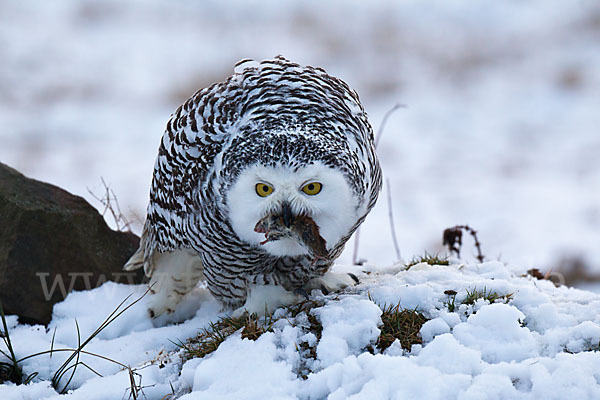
<point>259,180</point>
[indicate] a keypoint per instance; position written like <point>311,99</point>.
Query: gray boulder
<point>52,242</point>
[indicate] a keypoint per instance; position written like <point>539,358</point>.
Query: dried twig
<point>384,121</point>
<point>110,203</point>
<point>133,387</point>
<point>453,239</point>
<point>355,259</point>
<point>391,219</point>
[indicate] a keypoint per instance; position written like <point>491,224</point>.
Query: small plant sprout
<point>451,302</point>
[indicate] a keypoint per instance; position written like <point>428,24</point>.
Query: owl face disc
<point>332,207</point>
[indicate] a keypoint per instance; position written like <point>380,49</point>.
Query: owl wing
<point>193,137</point>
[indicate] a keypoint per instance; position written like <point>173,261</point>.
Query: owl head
<point>301,145</point>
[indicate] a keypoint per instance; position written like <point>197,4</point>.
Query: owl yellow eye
<point>312,188</point>
<point>263,190</point>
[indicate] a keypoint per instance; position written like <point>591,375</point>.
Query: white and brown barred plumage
<point>269,122</point>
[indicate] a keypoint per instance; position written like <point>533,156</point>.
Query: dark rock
<point>52,242</point>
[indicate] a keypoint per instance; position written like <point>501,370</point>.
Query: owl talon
<point>354,277</point>
<point>238,312</point>
<point>302,292</point>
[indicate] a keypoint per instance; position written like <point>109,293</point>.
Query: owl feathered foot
<point>175,274</point>
<point>264,299</point>
<point>332,282</point>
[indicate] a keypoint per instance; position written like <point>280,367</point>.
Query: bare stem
<point>377,139</point>
<point>355,252</point>
<point>391,219</point>
<point>384,121</point>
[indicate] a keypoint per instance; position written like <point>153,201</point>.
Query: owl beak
<point>286,214</point>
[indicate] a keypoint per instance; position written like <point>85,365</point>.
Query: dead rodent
<point>302,228</point>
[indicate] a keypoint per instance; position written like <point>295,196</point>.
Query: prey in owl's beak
<point>301,228</point>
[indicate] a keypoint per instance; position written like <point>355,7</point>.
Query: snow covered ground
<point>500,128</point>
<point>542,344</point>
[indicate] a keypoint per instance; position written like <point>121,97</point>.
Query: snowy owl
<point>259,182</point>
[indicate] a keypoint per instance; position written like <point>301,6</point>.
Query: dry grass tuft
<point>429,259</point>
<point>474,295</point>
<point>209,339</point>
<point>404,325</point>
<point>490,296</point>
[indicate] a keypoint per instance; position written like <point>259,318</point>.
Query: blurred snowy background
<point>501,128</point>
